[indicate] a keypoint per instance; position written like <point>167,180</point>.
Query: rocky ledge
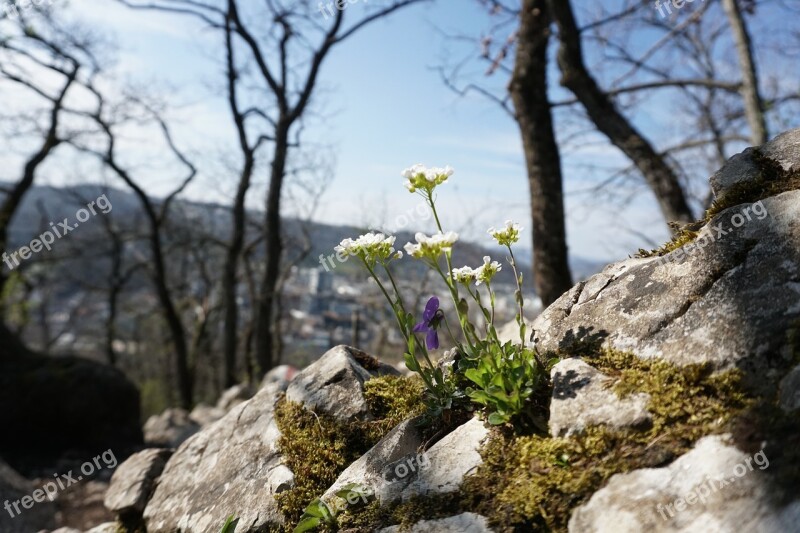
<point>674,408</point>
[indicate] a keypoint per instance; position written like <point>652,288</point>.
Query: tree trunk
<point>265,342</point>
<point>608,120</point>
<point>10,344</point>
<point>528,90</point>
<point>111,329</point>
<point>753,104</point>
<point>229,280</point>
<point>177,332</point>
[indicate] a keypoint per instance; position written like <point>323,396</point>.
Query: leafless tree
<point>34,47</point>
<point>287,54</point>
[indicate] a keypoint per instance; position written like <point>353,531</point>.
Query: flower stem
<point>521,318</point>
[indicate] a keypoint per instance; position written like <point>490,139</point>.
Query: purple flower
<point>431,318</point>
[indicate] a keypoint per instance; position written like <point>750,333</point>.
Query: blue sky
<point>385,109</point>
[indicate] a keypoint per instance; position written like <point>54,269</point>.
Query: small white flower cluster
<point>371,247</point>
<point>465,275</point>
<point>432,246</point>
<point>426,179</point>
<point>482,274</point>
<point>508,235</point>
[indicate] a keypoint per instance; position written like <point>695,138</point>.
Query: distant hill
<point>45,204</point>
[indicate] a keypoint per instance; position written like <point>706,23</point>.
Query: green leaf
<point>317,509</point>
<point>496,419</point>
<point>307,524</point>
<point>350,489</point>
<point>476,376</point>
<point>230,525</point>
<point>412,363</point>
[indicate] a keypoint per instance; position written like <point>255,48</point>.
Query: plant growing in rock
<point>318,513</point>
<point>501,377</point>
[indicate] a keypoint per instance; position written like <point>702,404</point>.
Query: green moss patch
<point>534,481</point>
<point>317,447</point>
<point>771,181</point>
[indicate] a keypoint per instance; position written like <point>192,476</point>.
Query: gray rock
<point>234,466</point>
<point>234,396</point>
<point>283,375</point>
<point>463,523</point>
<point>727,300</point>
<point>169,429</point>
<point>204,415</point>
<point>510,332</point>
<point>37,393</point>
<point>582,397</point>
<point>785,149</point>
<point>224,469</point>
<point>378,469</point>
<point>13,487</point>
<point>709,489</point>
<point>134,481</point>
<point>334,384</point>
<point>452,458</point>
<point>741,168</point>
<point>790,390</point>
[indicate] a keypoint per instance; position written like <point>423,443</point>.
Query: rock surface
<point>378,468</point>
<point>38,399</point>
<point>711,489</point>
<point>234,396</point>
<point>334,384</point>
<point>452,458</point>
<point>742,167</point>
<point>729,302</point>
<point>170,429</point>
<point>134,481</point>
<point>234,466</point>
<point>204,414</point>
<point>463,523</point>
<point>283,375</point>
<point>224,469</point>
<point>582,397</point>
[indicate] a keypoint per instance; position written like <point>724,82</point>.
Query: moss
<point>393,399</point>
<point>369,518</point>
<point>771,181</point>
<point>317,447</point>
<point>534,481</point>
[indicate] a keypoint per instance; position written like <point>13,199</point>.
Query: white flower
<point>487,270</point>
<point>431,246</point>
<point>421,177</point>
<point>414,250</point>
<point>370,247</point>
<point>508,235</point>
<point>465,275</point>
